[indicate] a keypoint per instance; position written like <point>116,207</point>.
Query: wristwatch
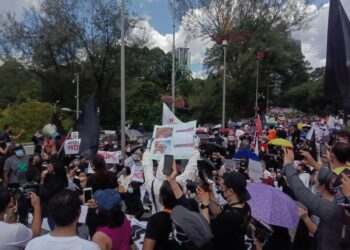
<point>203,206</point>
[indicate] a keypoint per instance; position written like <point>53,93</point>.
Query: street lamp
<point>224,45</point>
<point>71,110</point>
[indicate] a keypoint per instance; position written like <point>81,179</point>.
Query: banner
<point>72,146</point>
<point>111,157</point>
<point>137,173</point>
<point>177,140</point>
<point>255,170</point>
<point>169,117</point>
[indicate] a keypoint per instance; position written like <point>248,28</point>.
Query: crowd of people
<point>202,203</point>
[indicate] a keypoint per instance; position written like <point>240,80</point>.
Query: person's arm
<point>36,224</point>
<point>16,137</point>
<point>174,186</point>
<point>6,178</point>
<point>5,150</point>
<point>213,205</point>
<point>190,170</point>
<point>323,208</point>
<point>311,226</point>
<point>203,197</point>
<point>101,240</point>
<point>147,165</point>
<point>149,244</point>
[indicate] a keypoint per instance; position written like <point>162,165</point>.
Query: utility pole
<point>77,96</point>
<point>173,67</point>
<point>224,45</point>
<point>122,80</point>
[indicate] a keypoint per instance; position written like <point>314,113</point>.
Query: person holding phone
<point>14,235</point>
<point>332,216</point>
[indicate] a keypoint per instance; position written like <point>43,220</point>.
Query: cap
<point>238,183</point>
<point>106,199</point>
<point>193,224</point>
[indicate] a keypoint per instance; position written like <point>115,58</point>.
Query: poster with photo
<point>177,140</point>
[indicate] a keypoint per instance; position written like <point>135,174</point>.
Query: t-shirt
<point>230,227</point>
<point>13,236</point>
<point>18,168</point>
<point>159,228</point>
<point>61,243</point>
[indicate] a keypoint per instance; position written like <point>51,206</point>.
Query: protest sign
<point>74,135</point>
<point>230,164</point>
<point>72,146</point>
<point>137,173</point>
<point>111,157</point>
<point>177,140</point>
<point>255,170</point>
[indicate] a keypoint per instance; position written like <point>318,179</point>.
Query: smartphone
<point>87,194</point>
<point>337,181</point>
<point>168,164</point>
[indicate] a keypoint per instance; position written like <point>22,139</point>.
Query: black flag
<point>88,127</point>
<point>337,73</point>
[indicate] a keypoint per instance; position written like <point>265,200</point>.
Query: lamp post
<point>122,80</point>
<point>77,79</point>
<point>173,66</point>
<point>257,86</point>
<point>224,45</point>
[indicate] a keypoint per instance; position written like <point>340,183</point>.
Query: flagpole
<point>257,86</point>
<point>122,81</point>
<point>173,66</point>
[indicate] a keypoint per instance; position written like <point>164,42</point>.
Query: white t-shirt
<point>61,243</point>
<point>13,236</point>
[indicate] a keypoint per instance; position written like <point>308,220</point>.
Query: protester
<point>114,231</point>
<point>53,180</point>
<point>124,179</point>
<point>153,183</point>
<point>64,209</point>
<point>16,167</point>
<point>132,199</point>
<point>7,134</point>
<point>14,235</point>
<point>230,223</point>
<point>333,222</point>
<point>102,178</point>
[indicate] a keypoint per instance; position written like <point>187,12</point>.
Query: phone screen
<point>87,194</point>
<point>168,164</point>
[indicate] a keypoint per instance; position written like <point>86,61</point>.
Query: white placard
<point>111,157</point>
<point>72,146</point>
<point>137,173</point>
<point>177,140</point>
<point>109,132</point>
<point>255,170</point>
<point>74,135</point>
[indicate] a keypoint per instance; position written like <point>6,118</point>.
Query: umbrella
<point>246,154</point>
<point>281,142</point>
<point>211,147</point>
<point>272,206</point>
<point>132,133</point>
<point>200,131</point>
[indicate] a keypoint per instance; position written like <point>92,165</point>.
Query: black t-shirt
<point>230,227</point>
<point>159,228</point>
<point>102,182</point>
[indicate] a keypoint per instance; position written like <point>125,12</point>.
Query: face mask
<point>130,190</point>
<point>19,153</point>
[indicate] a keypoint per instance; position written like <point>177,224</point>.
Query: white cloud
<point>314,39</point>
<point>197,46</point>
<point>200,75</point>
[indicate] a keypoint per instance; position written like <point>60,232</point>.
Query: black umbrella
<point>211,147</point>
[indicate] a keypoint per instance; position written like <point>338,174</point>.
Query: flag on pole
<point>168,117</point>
<point>258,126</point>
<point>337,75</point>
<point>88,127</point>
